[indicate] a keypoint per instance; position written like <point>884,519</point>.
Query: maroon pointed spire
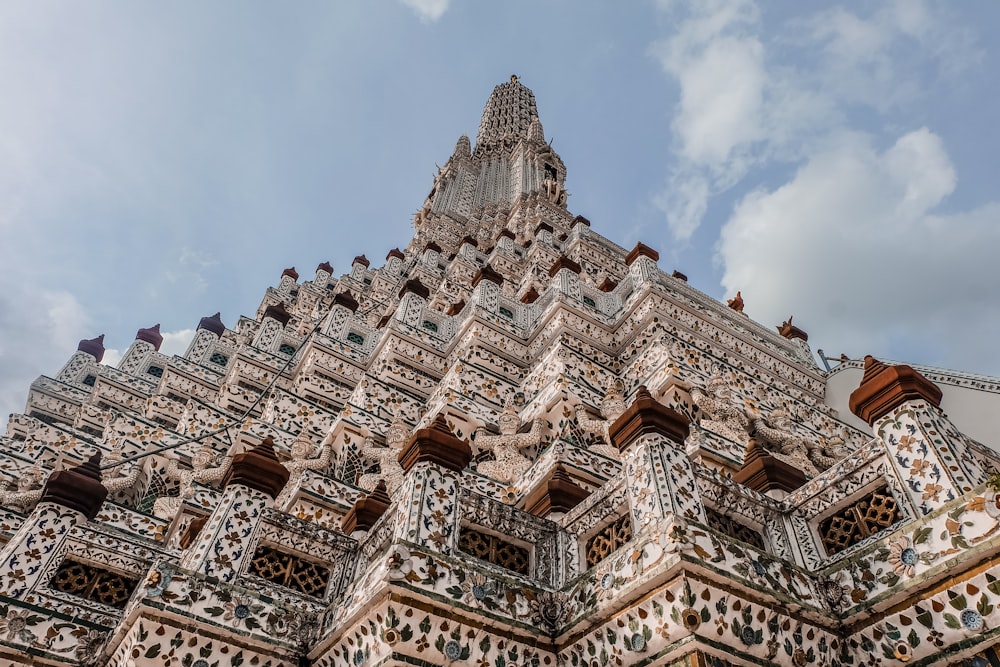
<point>763,472</point>
<point>258,469</point>
<point>641,250</point>
<point>325,266</point>
<point>213,323</point>
<point>647,415</point>
<point>884,388</point>
<point>291,273</point>
<point>151,336</point>
<point>346,300</point>
<point>361,259</point>
<point>395,252</point>
<point>367,510</point>
<point>279,313</point>
<point>436,444</point>
<point>78,488</point>
<point>94,347</point>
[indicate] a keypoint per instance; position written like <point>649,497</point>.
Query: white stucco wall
<point>972,402</point>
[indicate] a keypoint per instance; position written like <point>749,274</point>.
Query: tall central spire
<point>507,116</point>
<point>480,191</point>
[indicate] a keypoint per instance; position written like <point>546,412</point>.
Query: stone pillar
<point>468,248</point>
<point>641,263</point>
<point>271,325</point>
<point>925,451</point>
<point>147,341</point>
<point>344,307</point>
<point>433,460</point>
<point>210,330</point>
<point>412,298</point>
<point>658,473</point>
<point>358,268</point>
<point>288,279</point>
<point>366,511</point>
<point>486,289</point>
<point>765,474</point>
<point>70,497</point>
<point>566,277</point>
<point>324,272</point>
<point>394,262</point>
<point>431,255</point>
<point>229,538</point>
<point>88,354</point>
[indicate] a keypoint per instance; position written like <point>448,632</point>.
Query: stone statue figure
<point>27,491</point>
<point>300,462</point>
<point>120,477</point>
<point>777,433</point>
<point>720,413</point>
<point>201,472</point>
<point>508,463</point>
<point>612,407</point>
<point>387,458</point>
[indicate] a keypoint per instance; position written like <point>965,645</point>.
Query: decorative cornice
<point>564,262</point>
<point>78,488</point>
<point>646,415</point>
<point>414,285</point>
<point>438,445</point>
<point>367,510</point>
<point>557,493</point>
<point>258,469</point>
<point>883,388</point>
<point>278,313</point>
<point>487,273</point>
<point>762,472</point>
<point>641,250</point>
<point>346,300</point>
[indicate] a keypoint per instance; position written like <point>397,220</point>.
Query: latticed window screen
<point>608,539</point>
<point>93,583</point>
<point>493,549</point>
<point>734,529</point>
<point>290,571</point>
<point>876,511</point>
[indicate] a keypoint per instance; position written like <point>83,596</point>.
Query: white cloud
<point>751,96</point>
<point>852,245</point>
<point>428,10</point>
<point>176,342</point>
<point>39,331</point>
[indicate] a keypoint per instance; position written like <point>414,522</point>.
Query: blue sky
<point>162,161</point>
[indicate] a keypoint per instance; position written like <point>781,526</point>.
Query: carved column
<point>343,309</point>
<point>658,473</point>
<point>932,461</point>
<point>70,497</point>
<point>428,499</point>
<point>641,263</point>
<point>566,277</point>
<point>229,537</point>
<point>412,298</point>
<point>486,289</point>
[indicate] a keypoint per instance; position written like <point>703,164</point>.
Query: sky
<point>837,162</point>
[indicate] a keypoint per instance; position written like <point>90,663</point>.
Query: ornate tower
<point>511,178</point>
<point>514,443</point>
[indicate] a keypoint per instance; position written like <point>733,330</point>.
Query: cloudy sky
<point>162,161</point>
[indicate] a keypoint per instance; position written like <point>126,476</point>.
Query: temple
<point>513,443</point>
